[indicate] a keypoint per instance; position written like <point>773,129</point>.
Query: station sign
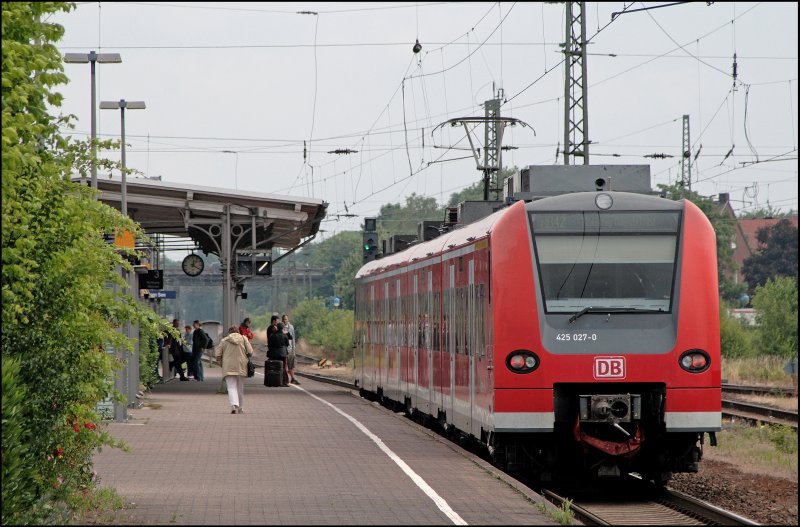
<point>153,279</point>
<point>153,295</point>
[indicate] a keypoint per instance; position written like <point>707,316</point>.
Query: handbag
<point>251,368</point>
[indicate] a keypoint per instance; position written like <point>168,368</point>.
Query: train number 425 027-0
<point>576,336</point>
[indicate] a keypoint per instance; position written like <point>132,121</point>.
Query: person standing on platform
<point>278,345</point>
<point>199,344</point>
<point>186,351</point>
<point>175,350</point>
<point>288,328</point>
<point>232,354</point>
<point>244,329</point>
<point>273,325</point>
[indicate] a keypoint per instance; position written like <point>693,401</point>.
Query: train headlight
<point>522,361</point>
<point>603,201</point>
<point>695,361</point>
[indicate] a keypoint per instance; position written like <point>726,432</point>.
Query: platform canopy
<point>199,212</point>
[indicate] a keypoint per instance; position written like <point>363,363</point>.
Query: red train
<point>574,334</point>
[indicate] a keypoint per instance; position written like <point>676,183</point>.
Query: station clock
<point>193,265</point>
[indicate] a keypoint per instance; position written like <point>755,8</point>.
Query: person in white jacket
<point>232,353</point>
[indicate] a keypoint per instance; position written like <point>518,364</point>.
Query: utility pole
<point>576,111</point>
<point>686,157</point>
<point>493,139</point>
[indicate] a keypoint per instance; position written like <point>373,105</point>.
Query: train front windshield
<point>622,261</point>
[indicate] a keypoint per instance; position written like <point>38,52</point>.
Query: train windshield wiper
<point>594,309</point>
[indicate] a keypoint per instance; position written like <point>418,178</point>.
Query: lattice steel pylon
<point>576,111</point>
<point>492,144</point>
<point>686,157</point>
<point>495,125</point>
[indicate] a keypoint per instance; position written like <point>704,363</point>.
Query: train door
<point>384,351</point>
<point>425,372</point>
<point>471,347</point>
<point>450,327</point>
<point>369,358</point>
<point>359,336</point>
<point>415,343</point>
<point>399,329</point>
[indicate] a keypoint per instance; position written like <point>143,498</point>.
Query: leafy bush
<point>736,340</point>
<point>331,329</point>
<point>784,438</point>
<point>776,307</point>
<point>19,486</point>
<point>63,301</point>
<point>148,357</point>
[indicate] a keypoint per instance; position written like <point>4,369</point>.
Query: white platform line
<point>438,500</point>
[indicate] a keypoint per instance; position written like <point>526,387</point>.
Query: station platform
<point>313,454</point>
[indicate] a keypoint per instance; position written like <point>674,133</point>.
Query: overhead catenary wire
<point>409,126</point>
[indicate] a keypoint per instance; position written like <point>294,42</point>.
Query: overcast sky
<point>260,79</point>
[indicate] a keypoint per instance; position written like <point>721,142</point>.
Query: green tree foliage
<point>59,309</point>
<point>19,484</point>
<point>473,192</point>
<point>344,287</point>
<point>724,227</point>
<point>776,256</point>
<point>328,256</point>
<point>736,341</point>
<point>776,314</point>
<point>332,329</point>
<point>768,212</point>
<point>395,218</point>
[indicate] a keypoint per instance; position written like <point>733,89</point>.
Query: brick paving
<point>291,459</point>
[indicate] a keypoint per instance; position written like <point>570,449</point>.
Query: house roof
<point>751,226</point>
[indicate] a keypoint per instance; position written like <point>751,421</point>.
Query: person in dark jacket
<point>278,349</point>
<point>199,343</point>
<point>273,325</point>
<point>175,348</point>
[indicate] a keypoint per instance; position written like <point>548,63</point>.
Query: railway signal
<point>369,244</point>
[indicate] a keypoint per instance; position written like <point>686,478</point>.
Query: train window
<point>588,259</point>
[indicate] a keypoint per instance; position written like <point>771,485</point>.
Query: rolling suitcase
<point>274,373</point>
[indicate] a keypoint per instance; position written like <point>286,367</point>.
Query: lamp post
<point>92,57</point>
<point>128,379</point>
<point>235,169</point>
<point>122,104</point>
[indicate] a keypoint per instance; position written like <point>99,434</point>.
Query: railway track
<point>773,391</point>
<point>756,413</point>
<point>639,503</point>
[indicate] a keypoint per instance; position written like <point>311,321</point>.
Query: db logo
<point>609,367</point>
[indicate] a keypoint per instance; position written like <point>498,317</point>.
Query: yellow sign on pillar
<point>124,239</point>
